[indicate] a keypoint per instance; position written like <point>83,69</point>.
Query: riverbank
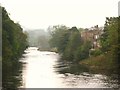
<point>48,49</point>
<point>101,64</point>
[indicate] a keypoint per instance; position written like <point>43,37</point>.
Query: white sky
<point>34,14</point>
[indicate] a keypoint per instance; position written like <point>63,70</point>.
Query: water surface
<point>43,69</point>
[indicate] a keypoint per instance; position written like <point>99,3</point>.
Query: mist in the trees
<point>38,38</point>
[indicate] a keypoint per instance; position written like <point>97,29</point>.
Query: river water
<point>43,69</point>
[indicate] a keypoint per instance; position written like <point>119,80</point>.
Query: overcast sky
<point>35,14</point>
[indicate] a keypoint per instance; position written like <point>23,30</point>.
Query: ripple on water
<point>44,70</point>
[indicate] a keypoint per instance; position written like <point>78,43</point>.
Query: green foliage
<point>118,46</point>
<point>59,39</point>
<point>73,44</point>
<point>110,38</point>
<point>69,43</point>
<point>14,42</point>
<point>83,51</point>
<point>95,52</point>
<point>101,64</point>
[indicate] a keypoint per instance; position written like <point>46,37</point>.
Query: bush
<point>82,51</point>
<point>95,52</point>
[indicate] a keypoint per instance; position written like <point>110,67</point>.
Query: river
<point>43,69</point>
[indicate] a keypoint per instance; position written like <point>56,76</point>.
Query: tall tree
<point>74,42</point>
<point>60,35</point>
<point>14,42</point>
<point>110,38</point>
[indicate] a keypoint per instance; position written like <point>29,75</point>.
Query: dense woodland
<point>14,42</point>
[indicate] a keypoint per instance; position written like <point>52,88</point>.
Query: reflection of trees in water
<point>70,67</point>
<point>119,77</point>
<point>12,76</point>
<point>64,67</point>
<point>113,79</point>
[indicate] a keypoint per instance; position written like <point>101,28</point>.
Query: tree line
<point>71,46</point>
<point>14,42</point>
<point>69,43</point>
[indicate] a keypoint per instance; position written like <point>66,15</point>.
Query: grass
<point>101,64</point>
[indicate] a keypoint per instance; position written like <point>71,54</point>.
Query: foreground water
<point>43,69</point>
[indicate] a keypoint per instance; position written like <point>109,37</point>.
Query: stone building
<point>93,36</point>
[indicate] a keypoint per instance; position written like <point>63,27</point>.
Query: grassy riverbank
<point>101,64</point>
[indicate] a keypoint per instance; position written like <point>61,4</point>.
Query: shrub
<point>95,52</point>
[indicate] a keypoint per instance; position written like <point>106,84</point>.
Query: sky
<point>40,14</point>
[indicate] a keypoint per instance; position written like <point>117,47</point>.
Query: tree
<point>74,42</point>
<point>14,42</point>
<point>59,39</point>
<point>82,51</point>
<point>110,39</point>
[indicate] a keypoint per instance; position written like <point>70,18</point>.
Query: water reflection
<point>44,70</point>
<point>81,76</point>
<point>64,67</point>
<point>11,76</point>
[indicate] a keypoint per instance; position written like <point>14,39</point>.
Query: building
<point>93,36</point>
